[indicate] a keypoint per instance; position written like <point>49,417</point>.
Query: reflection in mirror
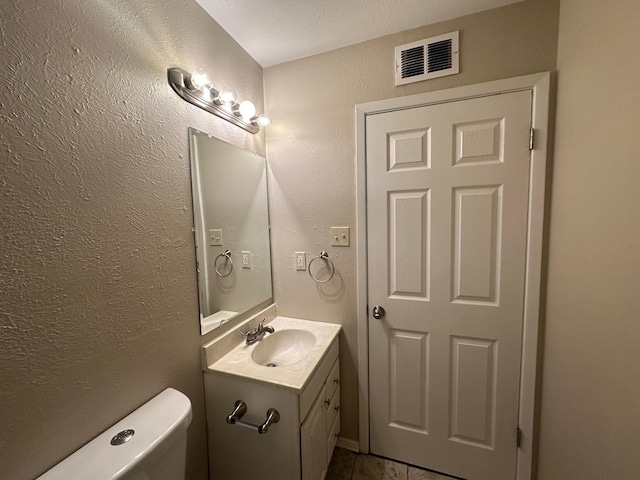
<point>229,187</point>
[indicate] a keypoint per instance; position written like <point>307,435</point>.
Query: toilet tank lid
<point>157,425</point>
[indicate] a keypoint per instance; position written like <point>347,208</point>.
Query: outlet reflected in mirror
<point>231,221</point>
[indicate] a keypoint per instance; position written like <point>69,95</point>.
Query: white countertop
<point>238,360</point>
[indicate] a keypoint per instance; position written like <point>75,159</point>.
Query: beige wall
<point>99,306</point>
<point>591,380</point>
<point>311,149</point>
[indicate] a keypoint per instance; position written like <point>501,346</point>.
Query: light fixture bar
<point>179,81</point>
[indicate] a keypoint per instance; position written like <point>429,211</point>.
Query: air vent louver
<point>412,62</point>
<point>430,58</point>
<point>439,56</point>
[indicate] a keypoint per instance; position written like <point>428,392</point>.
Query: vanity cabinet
<point>313,434</point>
<point>319,430</point>
<point>298,447</point>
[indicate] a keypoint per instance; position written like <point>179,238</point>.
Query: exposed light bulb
<point>261,120</point>
<point>247,110</point>
<point>227,96</point>
<point>199,79</point>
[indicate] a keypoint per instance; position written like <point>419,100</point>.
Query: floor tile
<point>368,467</point>
<point>418,474</point>
<point>342,463</point>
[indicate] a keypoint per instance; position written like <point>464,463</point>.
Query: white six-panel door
<point>447,192</point>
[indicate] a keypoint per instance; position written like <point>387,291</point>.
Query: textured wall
<point>311,149</point>
<point>591,380</point>
<point>99,305</point>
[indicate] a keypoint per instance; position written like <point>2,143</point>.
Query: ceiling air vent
<point>426,59</point>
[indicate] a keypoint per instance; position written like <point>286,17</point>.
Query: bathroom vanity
<point>294,371</point>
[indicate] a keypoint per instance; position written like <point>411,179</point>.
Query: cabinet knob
<point>336,381</point>
<point>327,402</point>
<point>337,409</point>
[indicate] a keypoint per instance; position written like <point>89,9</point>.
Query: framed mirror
<point>231,222</point>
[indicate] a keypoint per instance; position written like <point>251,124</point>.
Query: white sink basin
<point>284,347</point>
<point>297,349</point>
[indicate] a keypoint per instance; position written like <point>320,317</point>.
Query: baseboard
<point>352,445</point>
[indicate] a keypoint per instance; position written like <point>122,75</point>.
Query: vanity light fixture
<point>198,80</point>
<point>246,110</point>
<point>196,88</point>
<point>261,121</point>
<point>227,96</point>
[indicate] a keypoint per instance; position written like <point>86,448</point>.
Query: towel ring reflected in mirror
<point>227,256</point>
<point>324,256</point>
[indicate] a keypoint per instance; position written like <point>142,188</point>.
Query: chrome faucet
<point>257,334</point>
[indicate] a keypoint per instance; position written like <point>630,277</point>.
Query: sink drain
<point>271,365</point>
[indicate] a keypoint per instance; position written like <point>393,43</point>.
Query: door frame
<point>539,84</point>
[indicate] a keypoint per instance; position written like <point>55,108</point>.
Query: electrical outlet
<point>340,237</point>
<point>246,259</point>
<point>215,237</point>
<point>301,261</point>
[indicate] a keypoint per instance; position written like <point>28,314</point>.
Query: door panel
<point>409,387</point>
<point>473,363</point>
<point>476,251</point>
<point>408,243</point>
<point>447,190</point>
<point>409,150</point>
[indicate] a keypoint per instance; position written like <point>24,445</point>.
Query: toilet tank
<point>155,451</point>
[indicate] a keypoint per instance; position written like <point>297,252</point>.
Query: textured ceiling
<point>276,31</point>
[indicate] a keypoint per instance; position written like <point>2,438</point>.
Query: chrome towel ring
<point>227,255</point>
<point>324,256</point>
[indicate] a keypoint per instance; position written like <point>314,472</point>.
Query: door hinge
<point>531,133</point>
<point>518,437</point>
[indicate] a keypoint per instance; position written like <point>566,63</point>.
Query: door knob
<point>378,312</point>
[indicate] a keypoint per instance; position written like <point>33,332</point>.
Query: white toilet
<point>148,444</point>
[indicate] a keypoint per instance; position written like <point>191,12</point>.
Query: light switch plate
<point>340,237</point>
<point>215,237</point>
<point>301,261</point>
<point>246,259</point>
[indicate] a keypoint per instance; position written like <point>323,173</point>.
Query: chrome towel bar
<point>240,408</point>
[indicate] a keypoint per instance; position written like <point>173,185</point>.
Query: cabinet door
<point>313,439</point>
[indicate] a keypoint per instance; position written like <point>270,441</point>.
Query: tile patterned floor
<point>348,465</point>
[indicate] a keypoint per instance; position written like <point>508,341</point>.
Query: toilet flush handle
<point>122,437</point>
